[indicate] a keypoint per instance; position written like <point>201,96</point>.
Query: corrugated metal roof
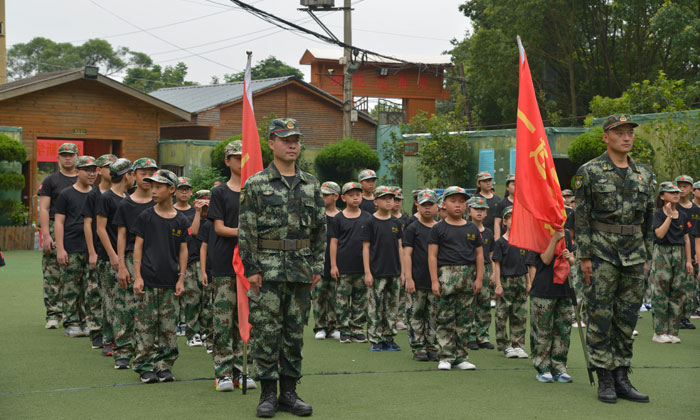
<point>200,98</point>
<point>337,54</point>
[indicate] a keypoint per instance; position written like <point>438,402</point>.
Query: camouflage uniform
<point>614,218</point>
<point>107,281</point>
<point>351,303</point>
<point>421,315</point>
<point>275,216</point>
<point>667,277</point>
<point>382,305</point>
<point>511,308</point>
<point>455,312</point>
<point>155,339</point>
<point>52,281</point>
<point>323,295</point>
<point>72,296</point>
<point>550,333</point>
<point>479,330</point>
<point>125,304</point>
<point>94,315</point>
<point>192,300</point>
<point>228,347</point>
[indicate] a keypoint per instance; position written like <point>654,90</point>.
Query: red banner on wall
<point>47,150</point>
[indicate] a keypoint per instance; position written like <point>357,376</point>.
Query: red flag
<point>251,163</point>
<point>538,206</point>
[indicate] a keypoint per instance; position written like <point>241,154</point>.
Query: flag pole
<point>245,368</point>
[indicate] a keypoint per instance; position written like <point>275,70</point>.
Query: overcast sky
<point>211,36</point>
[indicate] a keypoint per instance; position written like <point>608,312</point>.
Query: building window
<point>177,170</point>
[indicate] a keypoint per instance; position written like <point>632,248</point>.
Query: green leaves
<point>12,150</point>
<point>342,161</point>
<point>265,69</point>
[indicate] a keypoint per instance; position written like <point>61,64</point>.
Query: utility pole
<point>348,101</point>
<point>3,44</point>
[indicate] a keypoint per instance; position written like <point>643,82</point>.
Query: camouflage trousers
<point>669,281</point>
<point>612,304</point>
<point>125,303</point>
<point>381,305</point>
<point>52,281</point>
<point>401,305</point>
<point>351,304</point>
<point>278,315</point>
<point>455,311</point>
<point>421,315</point>
<point>93,302</point>
<point>73,290</point>
<point>550,333</point>
<point>109,289</point>
<point>228,347</point>
<point>195,303</point>
<point>323,296</point>
<point>155,324</point>
<point>479,330</point>
<point>511,308</point>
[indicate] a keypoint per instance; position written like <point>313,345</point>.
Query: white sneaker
<point>444,365</point>
<point>86,332</point>
<point>335,334</point>
<point>674,339</point>
<point>51,324</point>
<point>320,335</point>
<point>223,384</point>
<point>195,341</point>
<point>635,333</point>
<point>400,325</point>
<point>73,331</point>
<point>643,308</point>
<point>493,303</point>
<point>465,366</point>
<point>574,325</point>
<point>250,383</point>
<point>663,338</point>
<point>520,353</point>
<point>510,353</point>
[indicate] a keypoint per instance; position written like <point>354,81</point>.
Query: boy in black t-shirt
<point>422,304</point>
<point>400,320</point>
<point>512,286</point>
<point>503,205</point>
<point>479,332</point>
<point>323,294</point>
<point>456,263</point>
<point>71,249</point>
<point>368,180</point>
<point>345,252</point>
<point>204,264</point>
<point>108,261</point>
<point>383,265</point>
<point>160,261</point>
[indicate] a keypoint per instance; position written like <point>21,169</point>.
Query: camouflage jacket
<point>273,209</point>
<point>603,195</point>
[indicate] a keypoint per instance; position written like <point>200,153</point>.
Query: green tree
<point>590,145</point>
<point>342,161</point>
<point>392,152</point>
<point>152,77</point>
<point>678,144</point>
<point>265,69</point>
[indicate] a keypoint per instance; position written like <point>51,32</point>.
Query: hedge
<point>12,150</point>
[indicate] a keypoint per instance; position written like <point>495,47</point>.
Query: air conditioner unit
<point>318,3</point>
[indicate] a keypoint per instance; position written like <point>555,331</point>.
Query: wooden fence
<point>16,237</point>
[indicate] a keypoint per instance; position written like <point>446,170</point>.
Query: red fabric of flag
<point>538,206</point>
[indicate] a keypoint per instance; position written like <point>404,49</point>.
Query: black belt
<point>618,229</point>
<point>284,244</point>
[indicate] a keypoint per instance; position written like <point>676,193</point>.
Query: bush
<point>342,161</point>
<point>203,178</point>
<point>590,145</point>
<point>10,182</point>
<point>16,212</point>
<point>12,150</point>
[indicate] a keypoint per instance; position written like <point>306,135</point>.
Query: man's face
<point>368,185</point>
<point>141,175</point>
<point>87,174</point>
<point>234,163</point>
<point>67,160</point>
<point>352,198</point>
<point>285,149</point>
<point>686,189</point>
<point>620,139</point>
<point>183,194</point>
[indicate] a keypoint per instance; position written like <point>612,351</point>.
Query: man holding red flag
<point>282,229</point>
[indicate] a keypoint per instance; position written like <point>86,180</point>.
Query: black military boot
<point>289,400</point>
<point>624,388</point>
<point>267,407</point>
<point>606,386</point>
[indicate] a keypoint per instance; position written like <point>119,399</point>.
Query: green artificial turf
<point>45,375</point>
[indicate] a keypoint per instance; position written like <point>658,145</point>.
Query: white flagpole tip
<point>521,50</point>
<point>249,53</point>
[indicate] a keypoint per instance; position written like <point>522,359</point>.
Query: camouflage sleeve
<point>248,230</point>
<point>318,232</point>
<point>583,214</point>
<point>647,225</point>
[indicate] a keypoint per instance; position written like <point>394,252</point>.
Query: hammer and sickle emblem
<point>540,155</point>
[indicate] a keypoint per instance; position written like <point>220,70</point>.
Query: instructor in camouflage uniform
<point>282,237</point>
<point>614,214</point>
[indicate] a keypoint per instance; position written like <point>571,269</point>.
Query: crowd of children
<point>139,264</point>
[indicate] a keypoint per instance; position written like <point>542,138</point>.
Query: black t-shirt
<point>692,217</point>
<point>368,205</point>
<point>493,208</point>
<point>192,242</point>
<point>347,231</point>
<point>410,220</point>
<point>206,230</point>
<point>512,258</point>
<point>107,205</point>
<point>327,261</point>
<point>570,218</point>
<point>224,205</point>
<point>457,244</point>
<point>543,284</point>
<point>70,204</point>
<point>489,244</point>
<point>127,213</point>
<point>160,262</point>
<point>679,227</point>
<point>90,210</point>
<point>403,219</point>
<point>416,236</point>
<point>502,205</point>
<point>384,236</point>
<point>52,186</point>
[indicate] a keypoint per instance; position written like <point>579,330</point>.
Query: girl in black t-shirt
<point>479,333</point>
<point>504,204</point>
<point>671,262</point>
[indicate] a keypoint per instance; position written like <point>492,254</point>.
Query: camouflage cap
<point>383,190</point>
<point>567,193</point>
<point>510,178</point>
<point>284,127</point>
<point>481,176</point>
<point>105,160</point>
<point>144,163</point>
<point>330,187</point>
<point>478,203</point>
<point>367,174</point>
<point>120,167</point>
<point>202,195</point>
<point>234,147</point>
<point>508,211</point>
<point>668,186</point>
<point>684,178</point>
<point>417,191</point>
<point>163,176</point>
<point>68,148</point>
<point>183,181</point>
<point>454,190</point>
<point>398,193</point>
<point>85,161</point>
<point>427,196</point>
<point>617,120</point>
<point>351,186</point>
<point>696,186</point>
<point>440,202</point>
